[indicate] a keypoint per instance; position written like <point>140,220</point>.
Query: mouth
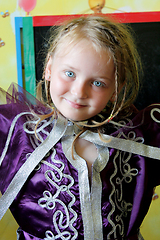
<point>74,104</point>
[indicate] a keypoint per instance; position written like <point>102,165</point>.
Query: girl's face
<point>82,80</point>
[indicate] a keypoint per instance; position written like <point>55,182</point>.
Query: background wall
<point>9,9</point>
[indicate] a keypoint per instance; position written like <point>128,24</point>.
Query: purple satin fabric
<point>35,220</point>
<point>25,205</point>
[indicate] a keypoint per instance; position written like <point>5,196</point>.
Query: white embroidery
<point>29,128</point>
<point>64,235</point>
<point>116,197</point>
<point>152,114</point>
<point>51,202</point>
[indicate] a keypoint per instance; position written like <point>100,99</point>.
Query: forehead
<point>82,57</point>
<point>69,44</point>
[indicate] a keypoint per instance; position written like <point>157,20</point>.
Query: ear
<point>48,69</point>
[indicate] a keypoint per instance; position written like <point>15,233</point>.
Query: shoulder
<point>144,125</point>
<point>146,116</point>
<point>16,101</point>
<point>152,113</point>
<point>148,119</point>
<point>19,112</point>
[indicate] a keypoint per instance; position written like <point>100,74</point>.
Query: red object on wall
<point>27,5</point>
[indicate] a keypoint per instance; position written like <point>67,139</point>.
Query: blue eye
<point>70,74</point>
<point>98,84</point>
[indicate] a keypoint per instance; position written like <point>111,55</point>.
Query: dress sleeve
<point>149,125</point>
<point>16,106</point>
<point>11,143</point>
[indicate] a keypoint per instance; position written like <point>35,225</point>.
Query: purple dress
<point>57,201</point>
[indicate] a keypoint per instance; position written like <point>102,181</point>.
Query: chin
<point>78,119</point>
<point>76,116</point>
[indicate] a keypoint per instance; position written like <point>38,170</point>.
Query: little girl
<point>83,163</point>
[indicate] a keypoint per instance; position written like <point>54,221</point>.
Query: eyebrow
<point>68,66</point>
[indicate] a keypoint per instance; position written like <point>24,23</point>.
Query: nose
<point>79,89</point>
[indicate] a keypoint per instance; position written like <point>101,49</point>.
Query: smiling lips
<point>75,105</point>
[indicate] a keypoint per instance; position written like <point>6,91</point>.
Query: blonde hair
<point>108,34</point>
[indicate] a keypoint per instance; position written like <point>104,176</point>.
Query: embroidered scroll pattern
<point>29,128</point>
<point>61,219</point>
<point>125,176</point>
<point>152,114</point>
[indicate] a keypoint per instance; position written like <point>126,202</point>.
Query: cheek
<point>57,87</point>
<point>102,100</point>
